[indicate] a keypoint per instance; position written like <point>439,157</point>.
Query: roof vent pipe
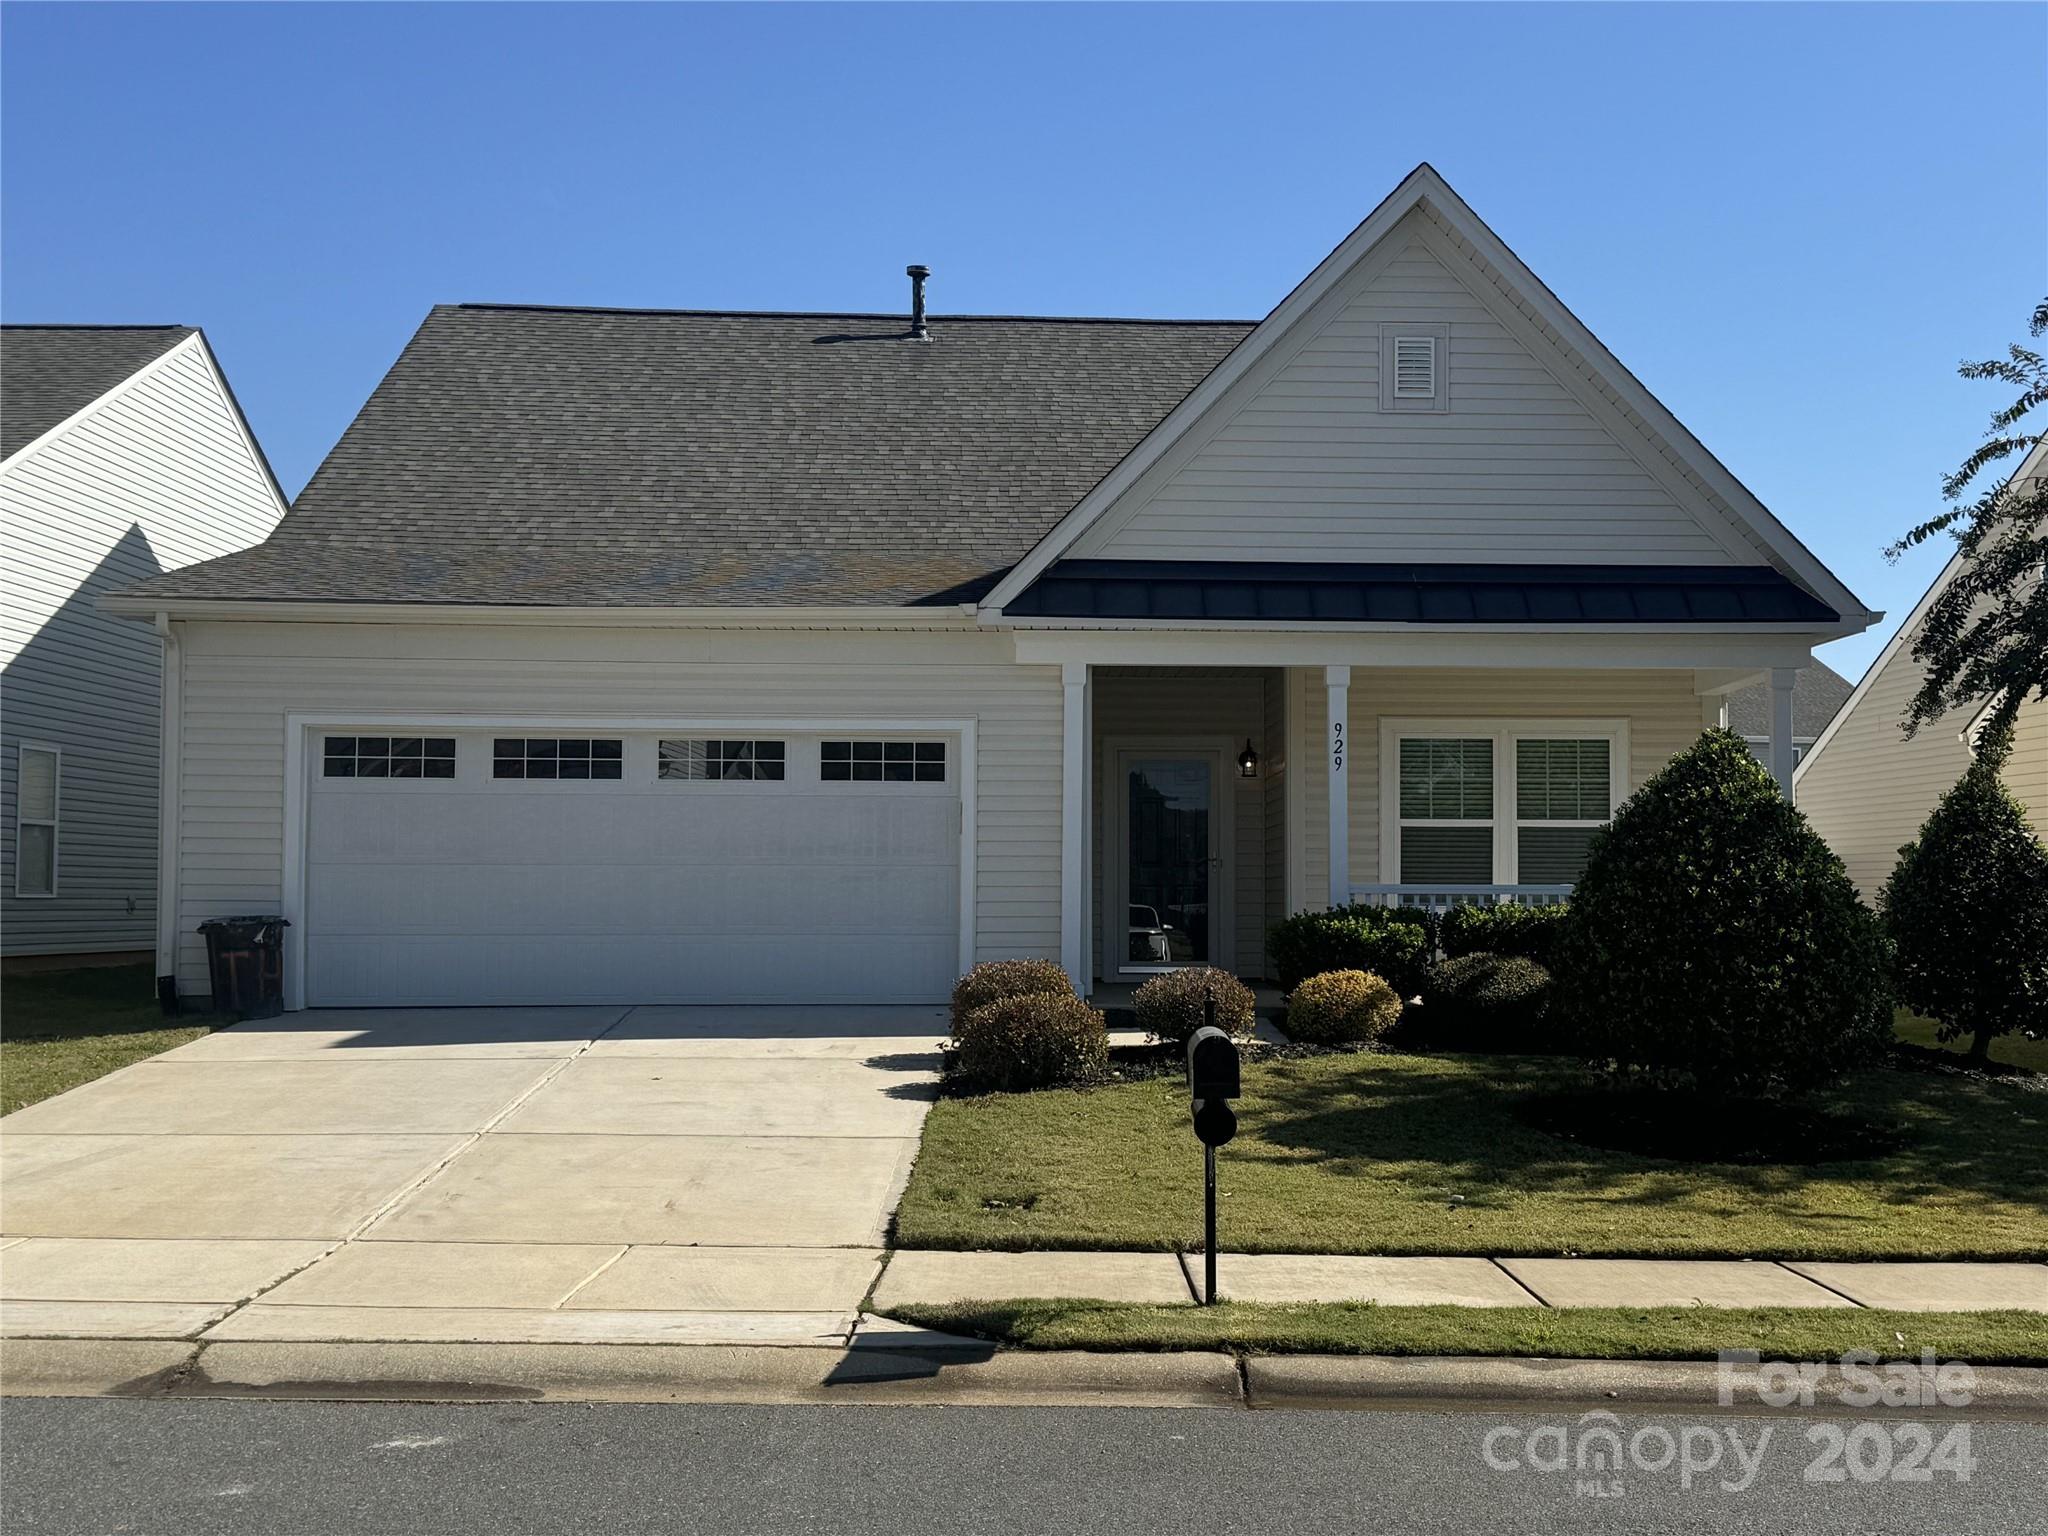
<point>919,331</point>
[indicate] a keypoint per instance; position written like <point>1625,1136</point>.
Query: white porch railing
<point>1439,898</point>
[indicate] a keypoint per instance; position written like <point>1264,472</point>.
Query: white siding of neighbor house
<point>1230,704</point>
<point>1661,708</point>
<point>241,679</point>
<point>155,477</point>
<point>1869,789</point>
<point>1300,462</point>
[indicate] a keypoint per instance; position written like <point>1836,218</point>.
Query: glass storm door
<point>1170,858</point>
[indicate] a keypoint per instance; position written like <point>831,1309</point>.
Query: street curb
<point>1695,1386</point>
<point>935,1377</point>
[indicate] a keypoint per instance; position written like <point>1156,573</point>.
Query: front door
<point>1170,809</point>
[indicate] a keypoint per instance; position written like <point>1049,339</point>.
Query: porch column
<point>1337,742</point>
<point>1074,825</point>
<point>1782,679</point>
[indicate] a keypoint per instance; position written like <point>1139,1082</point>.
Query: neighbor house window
<point>721,759</point>
<point>1498,803</point>
<point>388,757</point>
<point>883,762</point>
<point>557,757</point>
<point>35,821</point>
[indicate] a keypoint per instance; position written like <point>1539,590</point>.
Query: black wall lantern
<point>1247,761</point>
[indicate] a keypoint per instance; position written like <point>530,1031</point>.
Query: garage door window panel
<point>882,762</point>
<point>730,761</point>
<point>558,757</point>
<point>388,757</point>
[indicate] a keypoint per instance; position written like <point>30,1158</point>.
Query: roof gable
<point>49,373</point>
<point>1546,450</point>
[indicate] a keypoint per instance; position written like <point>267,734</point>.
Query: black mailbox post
<point>1212,1084</point>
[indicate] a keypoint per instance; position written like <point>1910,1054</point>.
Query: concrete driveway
<point>534,1174</point>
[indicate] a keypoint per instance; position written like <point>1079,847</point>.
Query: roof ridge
<point>834,314</point>
<point>65,325</point>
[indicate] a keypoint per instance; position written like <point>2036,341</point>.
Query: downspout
<point>170,760</point>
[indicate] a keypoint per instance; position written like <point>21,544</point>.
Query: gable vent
<point>1414,367</point>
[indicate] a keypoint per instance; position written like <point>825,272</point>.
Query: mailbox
<point>1212,1065</point>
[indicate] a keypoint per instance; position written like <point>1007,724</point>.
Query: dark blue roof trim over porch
<point>1258,592</point>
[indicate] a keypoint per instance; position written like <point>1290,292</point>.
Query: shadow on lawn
<point>1456,1129</point>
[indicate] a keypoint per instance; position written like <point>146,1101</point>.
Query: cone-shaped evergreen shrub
<point>1967,912</point>
<point>1715,941</point>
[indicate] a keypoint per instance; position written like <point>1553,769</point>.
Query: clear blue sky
<point>1791,221</point>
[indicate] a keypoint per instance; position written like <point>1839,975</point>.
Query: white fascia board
<point>99,403</point>
<point>227,393</point>
<point>280,612</point>
<point>1424,185</point>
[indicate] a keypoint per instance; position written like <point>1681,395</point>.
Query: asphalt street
<point>198,1468</point>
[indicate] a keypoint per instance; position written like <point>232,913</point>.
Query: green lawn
<point>2013,1050</point>
<point>1585,1333</point>
<point>62,1028</point>
<point>1423,1154</point>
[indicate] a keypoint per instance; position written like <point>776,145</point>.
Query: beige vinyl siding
<point>1299,461</point>
<point>1870,789</point>
<point>1229,705</point>
<point>157,477</point>
<point>241,679</point>
<point>1661,708</point>
<point>2026,771</point>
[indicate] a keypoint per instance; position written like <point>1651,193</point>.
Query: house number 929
<point>1337,747</point>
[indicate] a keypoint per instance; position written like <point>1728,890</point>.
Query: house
<point>1820,691</point>
<point>1867,788</point>
<point>635,656</point>
<point>122,455</point>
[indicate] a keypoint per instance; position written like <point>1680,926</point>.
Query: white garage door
<point>458,867</point>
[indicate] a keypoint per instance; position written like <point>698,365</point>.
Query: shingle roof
<point>49,373</point>
<point>1819,692</point>
<point>615,457</point>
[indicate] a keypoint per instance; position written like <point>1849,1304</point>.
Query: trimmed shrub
<point>1714,941</point>
<point>1038,1040</point>
<point>1342,1008</point>
<point>1534,933</point>
<point>1484,1002</point>
<point>1395,943</point>
<point>1967,912</point>
<point>1170,1006</point>
<point>996,979</point>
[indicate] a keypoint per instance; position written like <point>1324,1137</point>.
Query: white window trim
<point>1504,733</point>
<point>22,819</point>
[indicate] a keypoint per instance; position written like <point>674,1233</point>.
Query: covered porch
<point>1202,803</point>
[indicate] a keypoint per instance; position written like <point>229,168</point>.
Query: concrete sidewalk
<point>1154,1278</point>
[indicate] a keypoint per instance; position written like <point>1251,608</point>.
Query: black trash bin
<point>245,957</point>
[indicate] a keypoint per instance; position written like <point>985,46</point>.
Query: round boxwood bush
<point>1483,1002</point>
<point>1507,928</point>
<point>1716,943</point>
<point>1039,1040</point>
<point>1171,1006</point>
<point>1967,911</point>
<point>1342,1008</point>
<point>1394,943</point>
<point>995,979</point>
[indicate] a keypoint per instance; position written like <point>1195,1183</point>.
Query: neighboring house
<point>1819,692</point>
<point>1867,788</point>
<point>636,656</point>
<point>122,455</point>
